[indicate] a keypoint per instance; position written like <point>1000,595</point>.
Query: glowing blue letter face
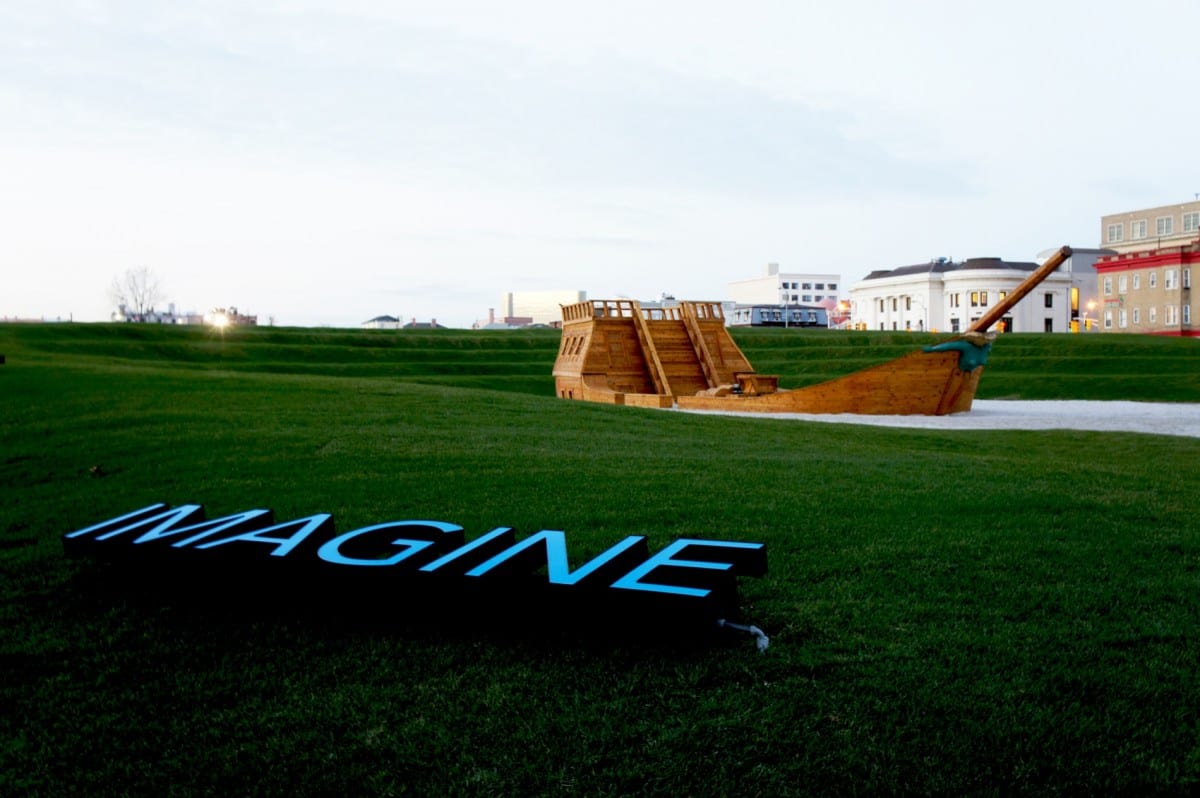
<point>331,551</point>
<point>162,524</point>
<point>251,519</point>
<point>124,523</point>
<point>304,527</point>
<point>735,551</point>
<point>557,565</point>
<point>501,534</point>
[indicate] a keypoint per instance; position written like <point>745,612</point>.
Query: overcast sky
<point>324,162</point>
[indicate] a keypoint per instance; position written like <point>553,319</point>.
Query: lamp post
<point>924,312</point>
<point>843,310</point>
<point>1091,305</point>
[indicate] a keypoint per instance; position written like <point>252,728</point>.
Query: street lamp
<point>843,310</point>
<point>1091,305</point>
<point>924,312</point>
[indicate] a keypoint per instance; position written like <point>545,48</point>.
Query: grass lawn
<point>949,612</point>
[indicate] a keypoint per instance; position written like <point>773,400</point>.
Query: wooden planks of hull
<point>918,383</point>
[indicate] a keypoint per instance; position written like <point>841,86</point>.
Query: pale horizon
<point>324,163</point>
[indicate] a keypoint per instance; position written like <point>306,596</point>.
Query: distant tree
<point>136,292</point>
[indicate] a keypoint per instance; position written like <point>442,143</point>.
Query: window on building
<point>1002,294</point>
<point>1191,222</point>
<point>881,308</point>
<point>1137,316</point>
<point>1049,325</point>
<point>1153,279</point>
<point>1187,278</point>
<point>806,287</point>
<point>1171,315</point>
<point>1137,281</point>
<point>974,299</point>
<point>795,297</point>
<point>1108,319</point>
<point>953,325</point>
<point>1122,284</point>
<point>1122,319</point>
<point>983,299</point>
<point>833,286</point>
<point>1137,229</point>
<point>1170,279</point>
<point>1153,314</point>
<point>1187,314</point>
<point>820,286</point>
<point>908,303</point>
<point>955,300</point>
<point>895,307</point>
<point>1116,232</point>
<point>808,298</point>
<point>1108,286</point>
<point>1164,225</point>
<point>881,326</point>
<point>1049,300</point>
<point>818,298</point>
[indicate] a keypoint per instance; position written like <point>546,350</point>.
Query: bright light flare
<point>218,320</point>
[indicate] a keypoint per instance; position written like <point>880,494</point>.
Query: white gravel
<point>1156,418</point>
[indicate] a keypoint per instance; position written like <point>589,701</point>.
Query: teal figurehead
<point>972,349</point>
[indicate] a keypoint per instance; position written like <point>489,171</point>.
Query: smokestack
<point>491,315</point>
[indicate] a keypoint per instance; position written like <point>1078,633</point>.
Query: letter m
<point>155,522</point>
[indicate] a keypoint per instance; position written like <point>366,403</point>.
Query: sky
<point>324,162</point>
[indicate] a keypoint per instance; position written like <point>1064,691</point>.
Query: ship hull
<point>919,383</point>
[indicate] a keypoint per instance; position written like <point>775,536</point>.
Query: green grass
<point>950,613</point>
<point>1021,366</point>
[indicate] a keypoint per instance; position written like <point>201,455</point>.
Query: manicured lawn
<point>949,613</point>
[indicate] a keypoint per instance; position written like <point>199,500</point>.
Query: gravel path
<point>1157,418</point>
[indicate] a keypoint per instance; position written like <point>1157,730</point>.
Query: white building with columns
<point>944,296</point>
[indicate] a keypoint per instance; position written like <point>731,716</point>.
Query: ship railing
<point>661,314</point>
<point>707,310</point>
<point>625,309</point>
<point>598,309</point>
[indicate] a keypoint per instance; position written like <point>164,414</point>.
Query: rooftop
<point>943,265</point>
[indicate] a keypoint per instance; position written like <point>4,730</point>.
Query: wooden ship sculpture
<point>617,352</point>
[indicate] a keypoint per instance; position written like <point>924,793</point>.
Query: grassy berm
<point>950,613</point>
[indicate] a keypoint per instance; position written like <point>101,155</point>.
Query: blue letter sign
<point>424,566</point>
